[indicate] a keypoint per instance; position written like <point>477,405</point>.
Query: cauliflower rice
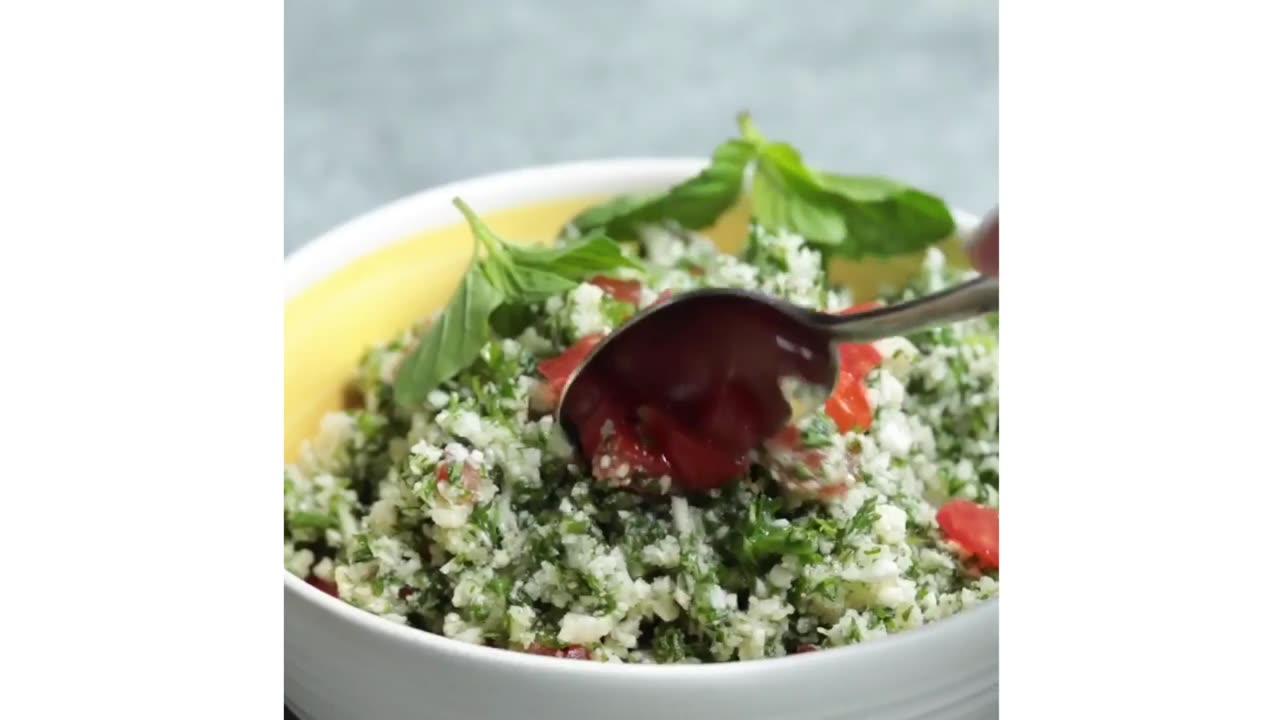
<point>471,517</point>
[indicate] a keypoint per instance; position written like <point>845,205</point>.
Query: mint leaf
<point>695,203</point>
<point>906,222</point>
<point>612,215</point>
<point>527,273</point>
<point>578,259</point>
<point>855,216</point>
<point>495,294</point>
<point>784,199</point>
<point>452,342</point>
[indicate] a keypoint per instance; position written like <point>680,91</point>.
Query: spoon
<point>729,364</point>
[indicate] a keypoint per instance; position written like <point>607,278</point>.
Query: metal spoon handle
<point>961,302</point>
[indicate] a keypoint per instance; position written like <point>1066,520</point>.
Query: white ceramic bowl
<point>344,664</point>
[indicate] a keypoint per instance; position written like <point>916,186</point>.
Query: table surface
<point>385,97</point>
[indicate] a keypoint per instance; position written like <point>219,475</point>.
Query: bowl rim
<point>432,209</point>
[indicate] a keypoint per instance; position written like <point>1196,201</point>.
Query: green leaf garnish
<point>494,296</point>
<point>453,341</point>
<point>695,203</point>
<point>850,215</point>
<point>854,215</point>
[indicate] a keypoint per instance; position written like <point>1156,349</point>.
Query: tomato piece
<point>861,307</point>
<point>558,369</point>
<point>848,405</point>
<point>572,652</point>
<point>326,586</point>
<point>857,359</point>
<point>974,527</point>
<point>806,648</point>
<point>575,652</point>
<point>625,450</point>
<point>663,296</point>
<point>787,438</point>
<point>627,291</point>
<point>730,421</point>
<point>470,476</point>
<point>695,464</point>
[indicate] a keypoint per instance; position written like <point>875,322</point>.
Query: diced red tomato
<point>731,422</point>
<point>974,527</point>
<point>848,405</point>
<point>558,369</point>
<point>856,308</point>
<point>470,476</point>
<point>627,291</point>
<point>326,586</point>
<point>696,464</point>
<point>624,449</point>
<point>572,652</point>
<point>788,437</point>
<point>663,296</point>
<point>806,648</point>
<point>857,359</point>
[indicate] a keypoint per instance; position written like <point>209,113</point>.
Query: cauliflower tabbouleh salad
<point>447,497</point>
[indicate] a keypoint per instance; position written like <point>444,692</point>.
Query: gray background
<point>385,97</point>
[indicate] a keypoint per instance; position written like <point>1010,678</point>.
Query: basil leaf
<point>864,188</point>
<point>452,342</point>
<point>511,319</point>
<point>854,215</point>
<point>695,203</point>
<point>609,215</point>
<point>699,201</point>
<point>576,260</point>
<point>527,273</point>
<point>906,222</point>
<point>530,284</point>
<point>783,199</point>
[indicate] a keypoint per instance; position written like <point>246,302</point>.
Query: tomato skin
<point>788,437</point>
<point>857,359</point>
<point>558,369</point>
<point>848,405</point>
<point>328,587</point>
<point>571,652</point>
<point>695,464</point>
<point>974,527</point>
<point>623,447</point>
<point>861,307</point>
<point>627,291</point>
<point>575,652</point>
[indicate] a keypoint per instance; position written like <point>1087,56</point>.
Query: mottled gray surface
<point>386,97</point>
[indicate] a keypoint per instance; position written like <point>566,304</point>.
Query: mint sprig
<point>849,215</point>
<point>496,289</point>
<point>694,203</point>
